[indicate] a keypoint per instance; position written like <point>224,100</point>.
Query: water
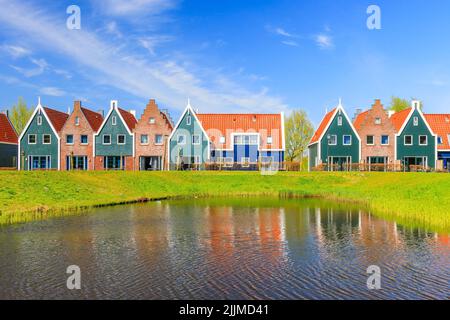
<point>223,249</point>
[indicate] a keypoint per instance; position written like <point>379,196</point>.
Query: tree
<point>399,104</point>
<point>20,115</point>
<point>299,131</point>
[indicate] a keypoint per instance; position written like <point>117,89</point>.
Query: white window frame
<point>404,140</point>
<point>114,120</point>
<point>73,139</point>
<point>143,143</point>
<point>228,162</point>
<point>39,120</point>
<point>373,140</point>
<point>416,121</point>
<point>269,140</point>
<point>151,120</point>
<point>335,140</point>
<point>426,140</point>
<point>81,139</point>
<point>244,163</point>
<point>184,140</point>
<point>188,120</point>
<point>103,139</point>
<point>381,140</point>
<point>339,121</point>
<point>43,138</point>
<point>378,121</point>
<point>77,121</point>
<point>343,140</point>
<point>222,140</point>
<point>35,139</point>
<point>124,139</point>
<point>162,140</point>
<point>199,141</point>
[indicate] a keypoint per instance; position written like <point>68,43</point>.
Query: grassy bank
<point>415,198</point>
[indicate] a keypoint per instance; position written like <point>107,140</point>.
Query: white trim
<point>373,140</point>
<point>35,138</point>
<point>103,139</point>
<point>426,143</point>
<point>283,137</point>
<point>178,140</point>
<point>343,139</point>
<point>73,140</point>
<point>43,140</point>
<point>81,142</point>
<point>404,140</point>
<point>124,139</point>
<point>199,140</point>
<point>328,140</point>
<point>381,140</point>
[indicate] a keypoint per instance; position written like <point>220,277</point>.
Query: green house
<point>189,145</point>
<point>114,140</point>
<point>336,143</point>
<point>416,143</point>
<point>39,143</point>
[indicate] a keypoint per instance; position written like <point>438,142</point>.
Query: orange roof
<point>399,118</point>
<point>7,132</point>
<point>322,126</point>
<point>360,118</point>
<point>129,119</point>
<point>94,119</point>
<point>440,124</point>
<point>57,118</point>
<point>217,125</point>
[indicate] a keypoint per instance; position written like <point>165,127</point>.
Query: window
<point>151,120</point>
<point>77,121</point>
<point>408,140</point>
<point>84,139</point>
<point>237,139</point>
<point>416,121</point>
<point>347,140</point>
<point>114,120</point>
<point>46,139</point>
<point>377,120</point>
<point>120,139</point>
<point>188,120</point>
<point>423,140</point>
<point>106,139</point>
<point>69,139</point>
<point>158,139</point>
<point>439,140</point>
<point>144,138</point>
<point>246,139</point>
<point>370,140</point>
<point>76,163</point>
<point>339,121</point>
<point>332,140</point>
<point>181,139</point>
<point>269,140</point>
<point>266,160</point>
<point>384,140</point>
<point>195,139</point>
<point>39,120</point>
<point>113,163</point>
<point>245,162</point>
<point>31,139</point>
<point>253,139</point>
<point>222,140</point>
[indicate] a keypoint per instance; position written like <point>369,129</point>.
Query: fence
<point>237,166</point>
<point>364,167</point>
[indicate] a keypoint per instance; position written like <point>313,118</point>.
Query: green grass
<point>416,199</point>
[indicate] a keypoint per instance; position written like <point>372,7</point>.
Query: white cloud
<point>134,7</point>
<point>324,41</point>
<point>150,43</point>
<point>168,80</point>
<point>41,66</point>
<point>290,43</point>
<point>112,28</point>
<point>52,91</point>
<point>282,32</point>
<point>15,51</point>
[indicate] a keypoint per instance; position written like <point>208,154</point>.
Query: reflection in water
<point>224,249</point>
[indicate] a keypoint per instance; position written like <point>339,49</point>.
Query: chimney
<point>390,113</point>
<point>113,104</point>
<point>416,104</point>
<point>133,112</point>
<point>76,105</point>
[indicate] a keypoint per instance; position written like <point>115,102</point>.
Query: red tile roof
<point>399,118</point>
<point>440,124</point>
<point>7,132</point>
<point>57,118</point>
<point>360,118</point>
<point>129,119</point>
<point>322,126</point>
<point>217,125</point>
<point>94,119</point>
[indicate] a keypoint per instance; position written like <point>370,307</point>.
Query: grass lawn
<point>416,199</point>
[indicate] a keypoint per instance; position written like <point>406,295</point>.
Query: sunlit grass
<point>419,199</point>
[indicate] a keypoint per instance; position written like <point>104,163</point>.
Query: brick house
<point>151,133</point>
<point>377,134</point>
<point>77,138</point>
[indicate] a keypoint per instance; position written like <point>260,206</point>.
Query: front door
<point>339,163</point>
<point>39,162</point>
<point>150,163</point>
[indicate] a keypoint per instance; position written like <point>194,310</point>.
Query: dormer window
<point>377,120</point>
<point>151,120</point>
<point>188,120</point>
<point>339,121</point>
<point>39,120</point>
<point>114,120</point>
<point>416,121</point>
<point>77,121</point>
<point>439,140</point>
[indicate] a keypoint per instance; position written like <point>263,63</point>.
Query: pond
<point>223,249</point>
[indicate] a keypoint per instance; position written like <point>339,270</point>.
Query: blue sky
<point>226,56</point>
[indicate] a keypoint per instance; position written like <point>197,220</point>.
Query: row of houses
<point>87,140</point>
<point>381,139</point>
